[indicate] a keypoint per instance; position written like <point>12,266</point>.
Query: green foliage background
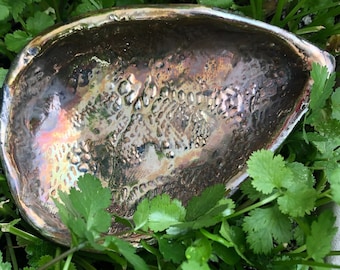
<point>275,221</point>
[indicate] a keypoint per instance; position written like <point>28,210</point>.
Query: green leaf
<point>268,172</point>
<point>217,213</point>
<point>4,265</point>
<point>224,208</point>
<point>38,22</point>
<point>128,251</point>
<point>141,215</point>
<point>171,250</point>
<point>319,242</point>
<point>217,3</point>
<point>190,265</point>
<point>300,196</point>
<point>199,205</point>
<point>36,250</point>
<point>227,255</point>
<point>165,212</point>
<point>265,225</point>
<point>234,235</point>
<point>3,73</point>
<point>4,12</point>
<point>321,90</point>
<point>17,40</point>
<point>16,8</point>
<point>199,251</point>
<point>298,200</point>
<point>248,189</point>
<point>334,180</point>
<point>85,7</point>
<point>84,210</point>
<point>108,3</point>
<point>336,104</point>
<point>128,2</point>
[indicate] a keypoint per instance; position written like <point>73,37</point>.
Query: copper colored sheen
<point>151,100</point>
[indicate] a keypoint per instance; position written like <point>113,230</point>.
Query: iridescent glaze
<point>150,100</point>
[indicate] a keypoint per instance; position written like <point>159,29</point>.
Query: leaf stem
<point>256,205</point>
<point>11,251</point>
<point>8,227</point>
<point>57,253</point>
<point>63,255</point>
<point>307,263</point>
<point>278,12</point>
<point>298,250</point>
<point>68,261</point>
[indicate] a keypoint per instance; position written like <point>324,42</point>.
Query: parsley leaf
<point>319,242</point>
<point>268,171</point>
<point>263,226</point>
<point>83,211</point>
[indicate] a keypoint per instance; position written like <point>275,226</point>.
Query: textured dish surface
<point>159,105</point>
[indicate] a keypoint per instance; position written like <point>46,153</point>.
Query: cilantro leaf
<point>224,207</point>
<point>321,90</point>
<point>85,6</point>
<point>336,104</point>
<point>298,200</point>
<point>17,40</point>
<point>3,73</point>
<point>199,205</point>
<point>268,171</point>
<point>165,212</point>
<point>4,12</point>
<point>300,196</point>
<point>190,265</point>
<point>171,250</point>
<point>334,180</point>
<point>319,242</point>
<point>235,236</point>
<point>141,215</point>
<point>217,3</point>
<point>38,22</point>
<point>263,226</point>
<point>17,7</point>
<point>83,211</point>
<point>199,251</point>
<point>127,250</point>
<point>4,265</point>
<point>248,189</point>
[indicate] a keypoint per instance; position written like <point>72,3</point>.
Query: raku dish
<point>150,100</point>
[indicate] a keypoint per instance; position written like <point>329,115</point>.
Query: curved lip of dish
<point>30,51</point>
